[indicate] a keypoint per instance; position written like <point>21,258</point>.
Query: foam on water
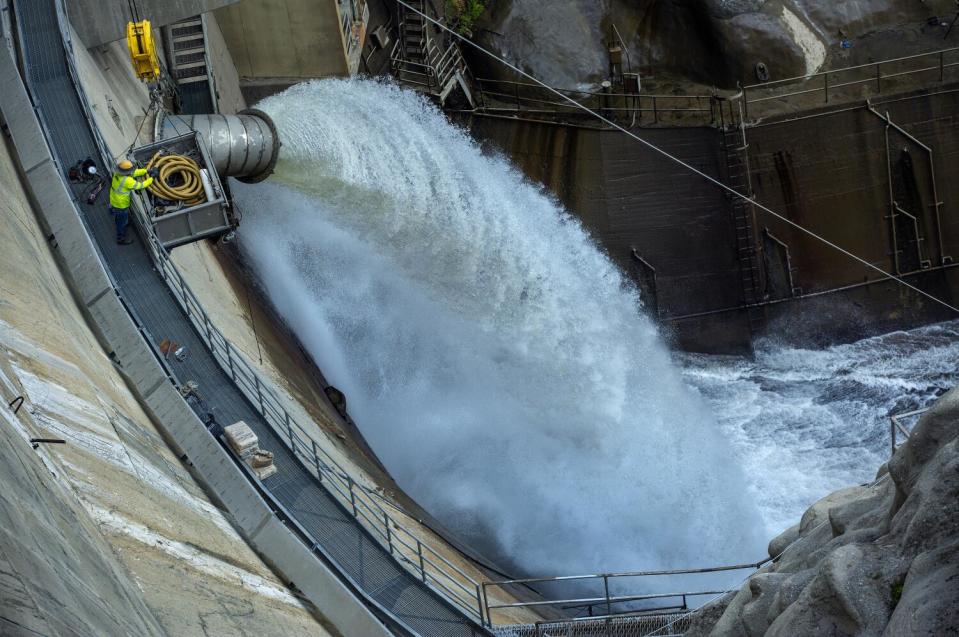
<point>805,423</point>
<point>495,359</point>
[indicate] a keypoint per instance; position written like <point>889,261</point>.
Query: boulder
<point>927,602</point>
<point>818,513</point>
<point>751,38</point>
<point>731,622</point>
<point>716,42</point>
<point>929,517</point>
<point>850,595</point>
<point>870,560</point>
<point>789,590</point>
<point>703,620</point>
<point>936,428</point>
<point>869,509</point>
<point>763,588</point>
<point>782,541</point>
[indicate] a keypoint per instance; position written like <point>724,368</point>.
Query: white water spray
<point>495,359</point>
<point>807,422</point>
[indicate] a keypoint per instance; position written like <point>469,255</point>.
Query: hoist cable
<point>673,158</point>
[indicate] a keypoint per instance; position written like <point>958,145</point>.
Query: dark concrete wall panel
<point>630,197</point>
<point>829,173</point>
<point>826,171</point>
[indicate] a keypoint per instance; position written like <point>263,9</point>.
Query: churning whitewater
<point>807,422</point>
<point>495,359</point>
<point>500,365</point>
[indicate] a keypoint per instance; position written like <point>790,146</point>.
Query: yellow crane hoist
<point>143,53</point>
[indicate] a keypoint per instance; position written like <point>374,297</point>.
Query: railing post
<point>655,111</point>
<point>892,435</point>
<point>161,260</point>
<point>259,394</point>
<point>419,552</point>
<point>209,335</point>
<point>825,85</point>
<point>389,532</point>
<point>489,618</point>
<point>878,78</point>
<point>479,604</point>
<point>942,66</point>
<point>229,359</point>
<point>609,608</point>
<point>316,461</point>
<point>186,305</point>
<point>349,480</point>
<point>289,433</point>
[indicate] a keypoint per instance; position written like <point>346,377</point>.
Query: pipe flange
<point>263,174</point>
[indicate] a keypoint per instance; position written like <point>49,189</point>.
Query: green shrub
<point>463,14</point>
<point>896,593</point>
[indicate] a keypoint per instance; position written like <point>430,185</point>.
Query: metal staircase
<point>413,33</point>
<point>187,55</point>
<point>736,150</point>
<point>423,61</point>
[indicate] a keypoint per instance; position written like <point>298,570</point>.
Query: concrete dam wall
<point>835,173</point>
<point>108,532</point>
<point>675,233</point>
<point>679,249</point>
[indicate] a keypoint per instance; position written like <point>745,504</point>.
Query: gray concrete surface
<point>58,576</point>
<point>170,538</point>
<point>101,21</point>
<point>122,338</point>
<point>226,81</point>
<point>276,44</point>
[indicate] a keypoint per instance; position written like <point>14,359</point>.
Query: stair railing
<point>608,600</point>
<point>874,77</point>
<point>897,428</point>
<point>363,503</point>
<point>438,68</point>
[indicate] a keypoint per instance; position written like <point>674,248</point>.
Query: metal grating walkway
<point>349,546</point>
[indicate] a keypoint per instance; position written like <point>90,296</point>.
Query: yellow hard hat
<point>125,165</point>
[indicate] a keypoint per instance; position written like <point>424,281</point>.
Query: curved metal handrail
<point>834,79</point>
<point>405,545</point>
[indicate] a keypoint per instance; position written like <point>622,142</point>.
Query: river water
<point>807,422</point>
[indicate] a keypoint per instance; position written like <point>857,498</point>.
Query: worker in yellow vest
<point>125,181</point>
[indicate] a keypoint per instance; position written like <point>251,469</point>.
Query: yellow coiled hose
<point>190,192</point>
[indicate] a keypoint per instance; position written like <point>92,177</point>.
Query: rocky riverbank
<point>876,559</point>
<point>716,42</point>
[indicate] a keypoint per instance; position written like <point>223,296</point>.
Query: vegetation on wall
<point>463,14</point>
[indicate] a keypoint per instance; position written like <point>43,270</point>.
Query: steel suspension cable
<point>677,160</point>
